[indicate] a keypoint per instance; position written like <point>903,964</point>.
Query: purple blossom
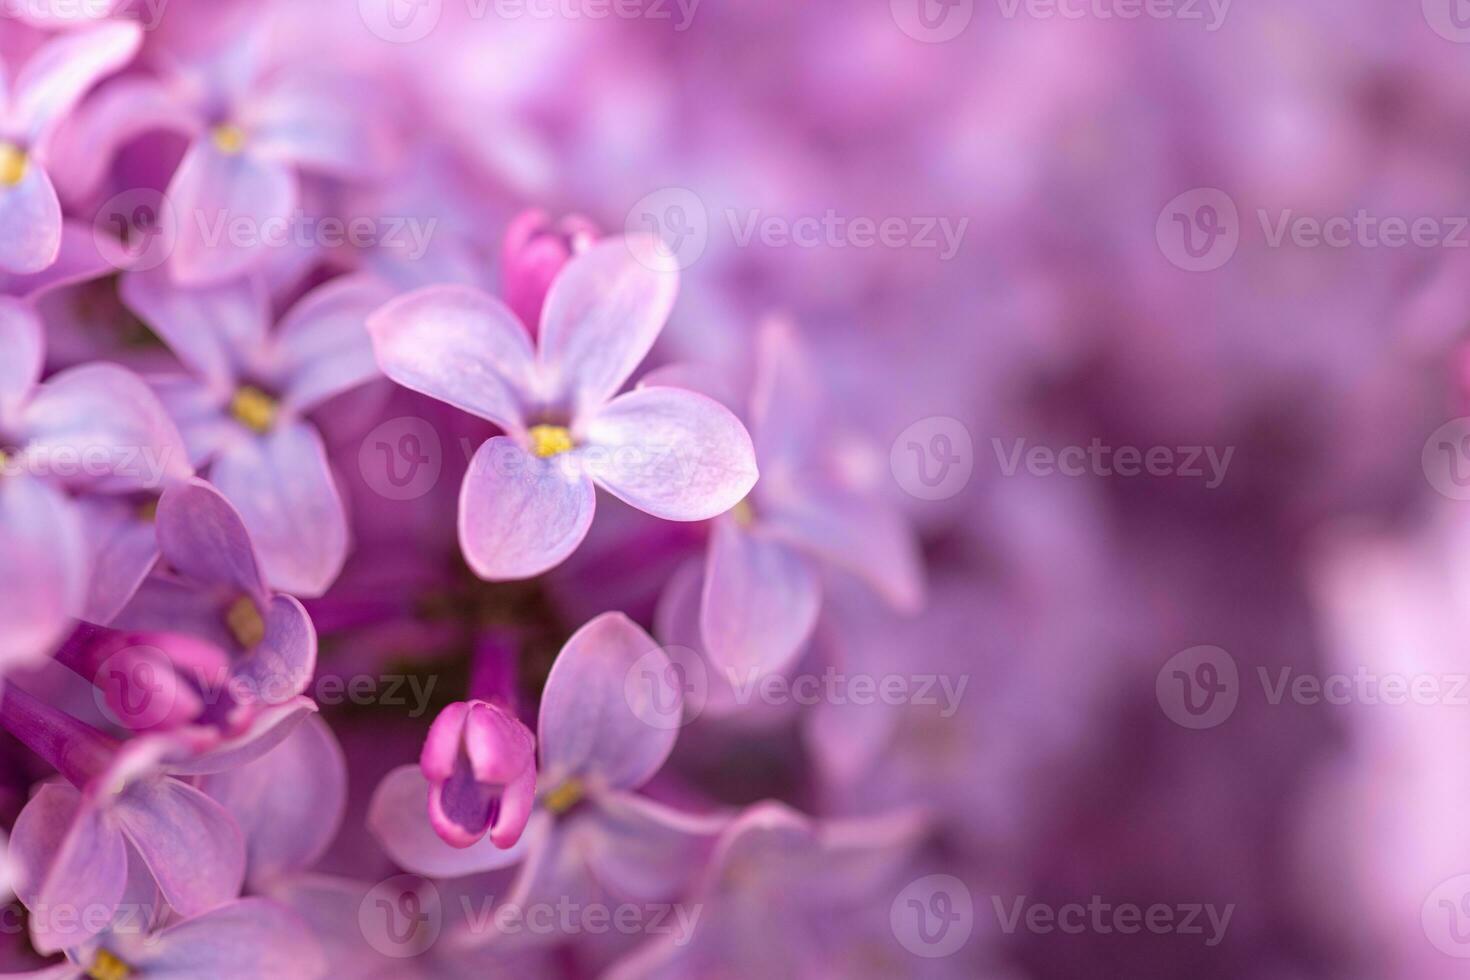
<point>242,406</point>
<point>528,498</point>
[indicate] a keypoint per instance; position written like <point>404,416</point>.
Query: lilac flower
<point>85,844</point>
<point>95,430</point>
<point>761,590</point>
<point>213,589</point>
<point>528,499</point>
<point>240,940</point>
<point>597,746</point>
<point>257,130</point>
<point>39,96</point>
<point>242,406</point>
<point>481,766</point>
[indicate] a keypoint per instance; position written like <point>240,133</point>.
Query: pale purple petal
<point>189,842</point>
<point>44,563</point>
<point>70,854</point>
<point>203,537</point>
<point>760,603</point>
<point>288,803</point>
<point>520,515</point>
<point>283,487</point>
<point>31,216</point>
<point>243,940</point>
<point>60,73</point>
<point>322,345</point>
<point>80,260</point>
<point>602,315</point>
<point>24,344</point>
<point>460,346</point>
<point>200,410</point>
<point>643,850</point>
<point>101,426</point>
<point>592,723</point>
<point>864,537</point>
<point>125,550</point>
<point>399,818</point>
<point>212,190</point>
<point>672,453</point>
<point>215,330</point>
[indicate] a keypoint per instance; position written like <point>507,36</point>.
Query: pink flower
<point>528,498</point>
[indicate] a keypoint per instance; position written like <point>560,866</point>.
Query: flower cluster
<point>319,654</point>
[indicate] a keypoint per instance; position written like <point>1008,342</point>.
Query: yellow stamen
<point>244,622</point>
<point>13,164</point>
<point>228,138</point>
<point>743,513</point>
<point>106,966</point>
<point>565,796</point>
<point>148,510</point>
<point>548,440</point>
<point>254,409</point>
